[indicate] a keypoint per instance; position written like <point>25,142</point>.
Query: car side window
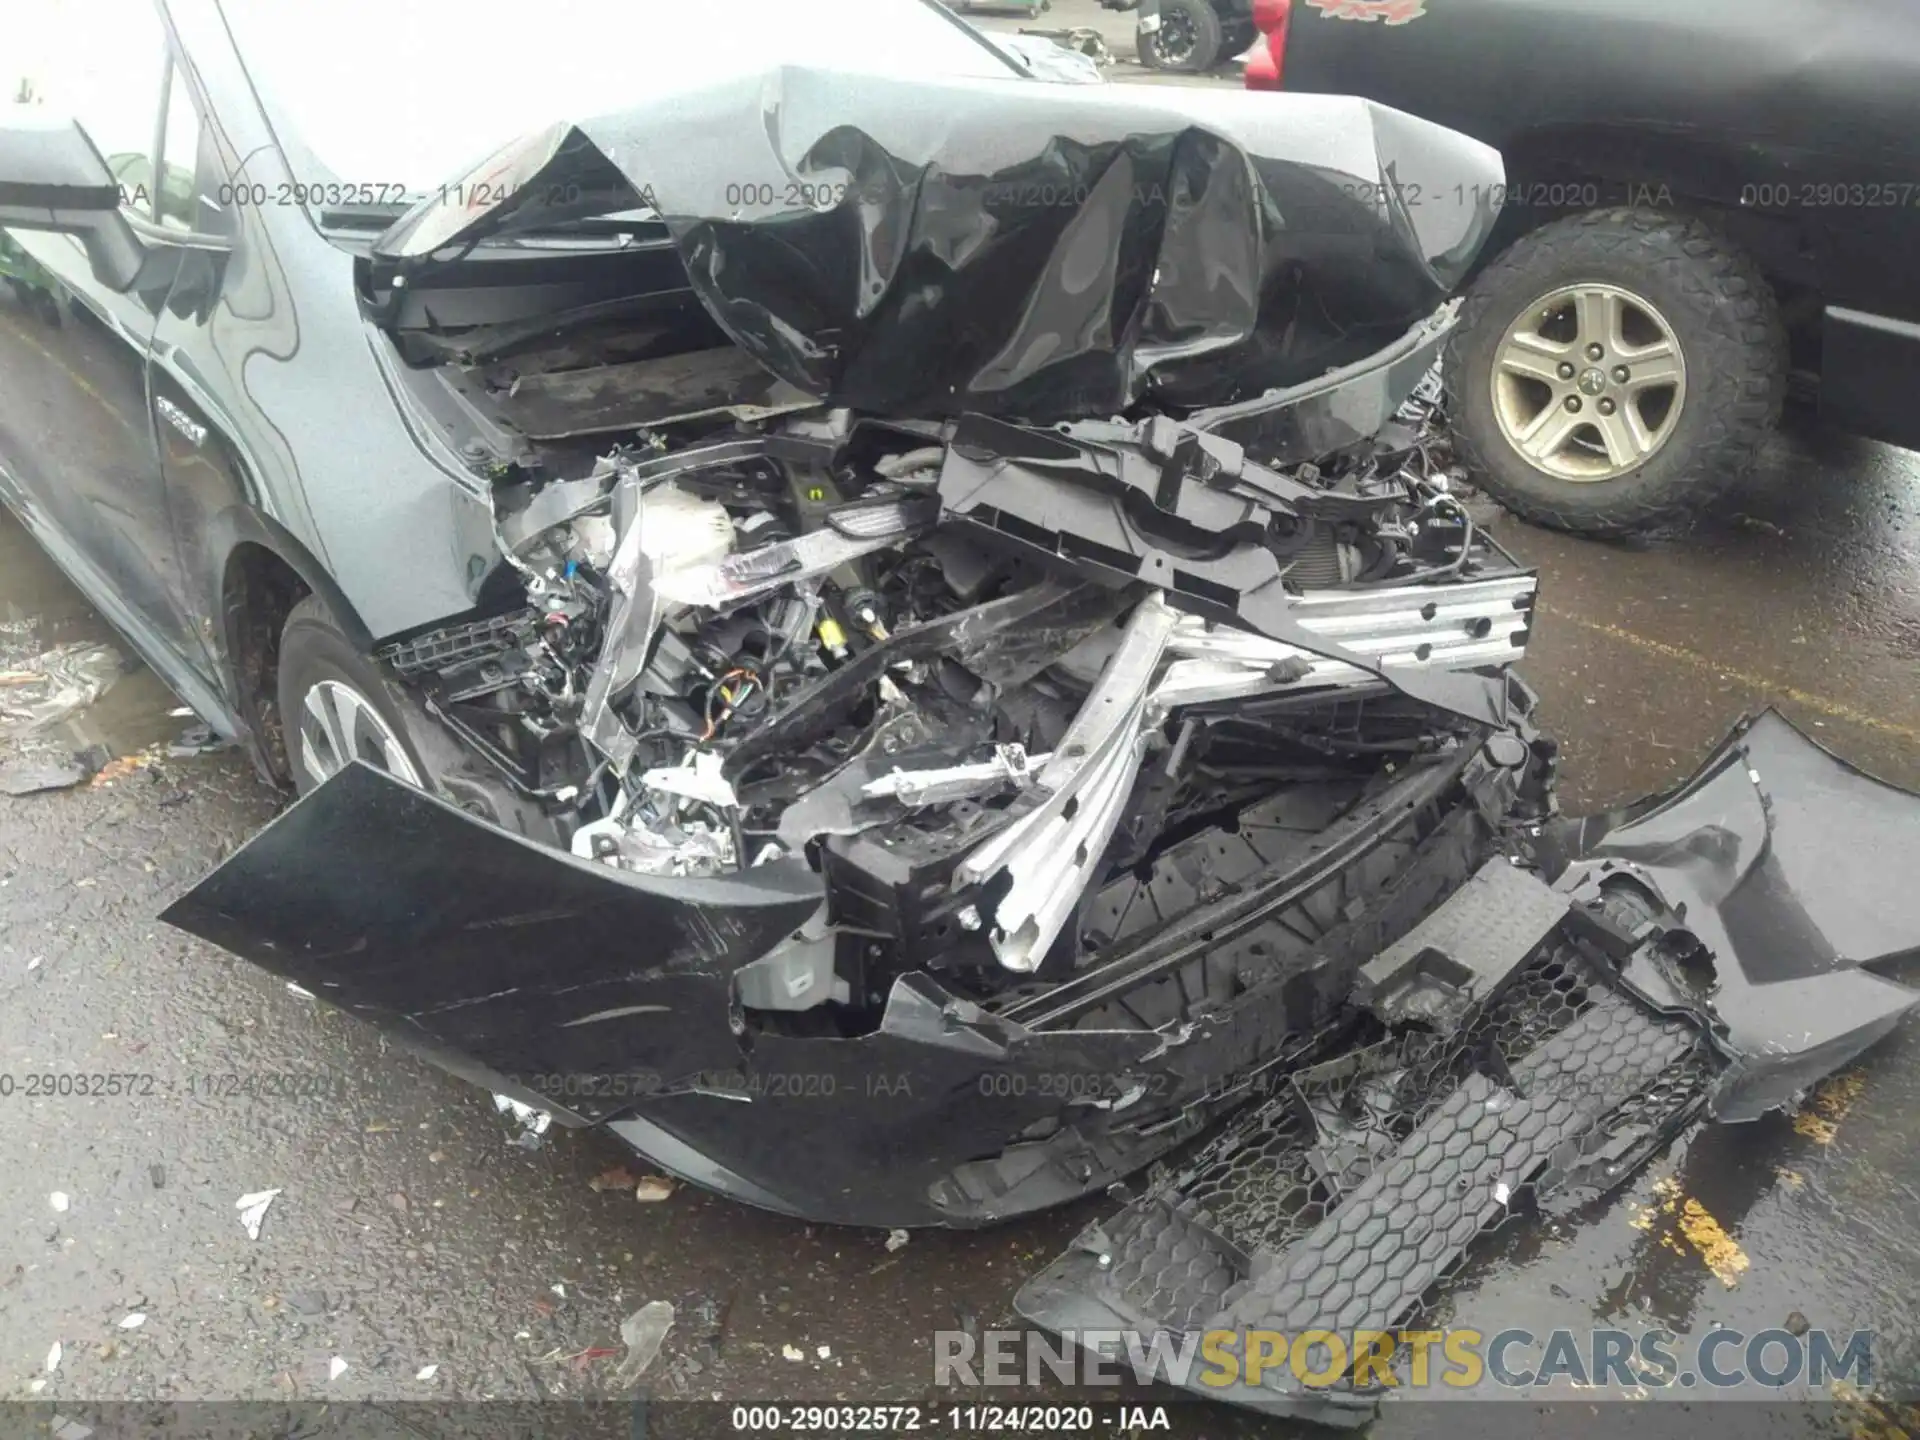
<point>103,62</point>
<point>176,200</point>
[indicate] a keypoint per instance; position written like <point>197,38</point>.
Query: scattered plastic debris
<point>652,1188</point>
<point>793,1352</point>
<point>558,1289</point>
<point>253,1209</point>
<point>426,1372</point>
<point>60,1201</point>
<point>194,741</point>
<point>644,1332</point>
<point>896,1240</point>
<point>53,1357</point>
<point>300,990</point>
<point>533,1123</point>
<point>57,683</point>
<point>38,777</point>
<point>825,1352</point>
<point>35,963</point>
<point>133,1321</point>
<point>36,1386</point>
<point>336,1367</point>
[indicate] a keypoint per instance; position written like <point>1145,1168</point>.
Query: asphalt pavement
<point>412,1253</point>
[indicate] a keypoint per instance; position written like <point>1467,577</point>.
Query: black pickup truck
<point>1700,198</point>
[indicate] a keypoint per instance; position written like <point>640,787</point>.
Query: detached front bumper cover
<point>1527,1047</point>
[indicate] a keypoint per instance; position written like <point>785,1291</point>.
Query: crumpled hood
<point>934,245</point>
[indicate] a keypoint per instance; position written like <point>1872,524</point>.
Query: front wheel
<point>1185,36</point>
<point>335,705</point>
<point>1615,370</point>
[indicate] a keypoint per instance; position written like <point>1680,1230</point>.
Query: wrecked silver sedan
<point>972,678</point>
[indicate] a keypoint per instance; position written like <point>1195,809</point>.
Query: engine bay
<point>875,646</point>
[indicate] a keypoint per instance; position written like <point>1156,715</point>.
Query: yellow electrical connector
<point>833,637</point>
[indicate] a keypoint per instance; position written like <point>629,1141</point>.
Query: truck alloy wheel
<point>1185,36</point>
<point>1615,370</point>
<point>1589,381</point>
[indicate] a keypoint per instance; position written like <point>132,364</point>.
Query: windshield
<point>386,99</point>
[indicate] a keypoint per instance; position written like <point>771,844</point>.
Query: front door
<point>79,453</point>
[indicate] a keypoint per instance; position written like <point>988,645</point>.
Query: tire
<point>1718,313</point>
<point>316,652</point>
<point>1199,17</point>
<point>320,668</point>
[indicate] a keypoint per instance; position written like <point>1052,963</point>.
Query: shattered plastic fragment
<point>133,1321</point>
<point>533,1123</point>
<point>896,1240</point>
<point>60,1200</point>
<point>652,1189</point>
<point>336,1368</point>
<point>426,1372</point>
<point>793,1352</point>
<point>644,1332</point>
<point>253,1209</point>
<point>53,1357</point>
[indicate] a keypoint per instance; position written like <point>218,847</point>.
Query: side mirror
<point>51,178</point>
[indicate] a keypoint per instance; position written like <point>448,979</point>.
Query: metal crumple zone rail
<point>1089,776</point>
<point>1481,622</point>
<point>1090,773</point>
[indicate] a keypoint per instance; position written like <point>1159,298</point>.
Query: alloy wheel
<point>1589,382</point>
<point>339,725</point>
<point>1176,39</point>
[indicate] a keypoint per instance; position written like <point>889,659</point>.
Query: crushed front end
<point>978,689</point>
<point>931,823</point>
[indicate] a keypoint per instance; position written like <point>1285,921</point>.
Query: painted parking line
<point>1838,709</point>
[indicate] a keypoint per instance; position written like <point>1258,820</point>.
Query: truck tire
<point>1188,40</point>
<point>1615,370</point>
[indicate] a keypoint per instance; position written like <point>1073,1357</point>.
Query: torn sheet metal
<point>932,245</point>
<point>1794,874</point>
